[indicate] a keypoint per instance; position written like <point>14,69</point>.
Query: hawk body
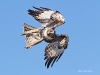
<point>48,34</point>
<point>57,43</point>
<point>36,35</point>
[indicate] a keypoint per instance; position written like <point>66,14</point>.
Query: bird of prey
<point>57,42</point>
<point>47,17</point>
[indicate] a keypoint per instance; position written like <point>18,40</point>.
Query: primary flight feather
<point>54,50</point>
<point>47,17</point>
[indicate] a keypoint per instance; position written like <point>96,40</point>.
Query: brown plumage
<point>33,35</point>
<point>54,50</point>
<point>47,17</point>
<point>57,43</point>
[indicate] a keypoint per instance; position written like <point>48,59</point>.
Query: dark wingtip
<point>50,62</point>
<point>47,63</point>
<point>45,58</point>
<point>57,11</point>
<point>29,10</point>
<point>34,7</point>
<point>47,67</point>
<point>25,24</point>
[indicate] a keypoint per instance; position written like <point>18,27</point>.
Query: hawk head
<point>48,34</point>
<point>51,32</point>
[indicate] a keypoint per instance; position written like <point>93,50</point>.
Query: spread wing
<point>54,50</point>
<point>33,35</point>
<point>47,17</point>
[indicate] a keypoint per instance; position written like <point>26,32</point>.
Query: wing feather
<point>58,18</point>
<point>54,60</point>
<point>55,50</point>
<point>42,15</point>
<point>59,57</point>
<point>47,17</point>
<point>49,62</point>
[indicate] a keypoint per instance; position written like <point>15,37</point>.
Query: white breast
<point>45,33</point>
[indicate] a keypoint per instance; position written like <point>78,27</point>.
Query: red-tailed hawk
<point>57,42</point>
<point>47,17</point>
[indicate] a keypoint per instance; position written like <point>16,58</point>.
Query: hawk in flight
<point>57,43</point>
